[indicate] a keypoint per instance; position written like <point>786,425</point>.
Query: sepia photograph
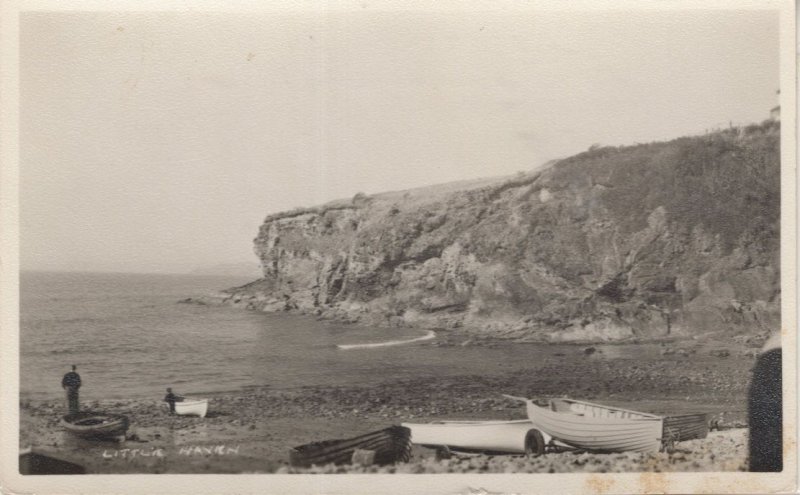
<point>477,247</point>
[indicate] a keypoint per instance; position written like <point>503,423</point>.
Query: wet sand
<point>251,431</point>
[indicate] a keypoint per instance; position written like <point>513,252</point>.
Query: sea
<point>130,337</point>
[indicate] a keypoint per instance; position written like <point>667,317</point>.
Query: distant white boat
<point>430,335</point>
<point>192,407</point>
<point>508,437</point>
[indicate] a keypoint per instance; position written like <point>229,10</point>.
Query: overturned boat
<point>390,445</point>
<point>192,407</point>
<point>96,425</point>
<point>496,437</point>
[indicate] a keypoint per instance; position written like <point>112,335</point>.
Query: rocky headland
<point>668,239</point>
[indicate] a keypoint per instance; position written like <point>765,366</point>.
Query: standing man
<point>71,383</point>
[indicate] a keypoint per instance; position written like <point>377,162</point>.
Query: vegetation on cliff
<point>643,241</point>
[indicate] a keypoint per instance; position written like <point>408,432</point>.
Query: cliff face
<point>676,238</point>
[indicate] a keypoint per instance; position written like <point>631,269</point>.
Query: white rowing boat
<point>428,336</point>
<point>511,437</point>
<point>192,407</point>
<point>595,427</point>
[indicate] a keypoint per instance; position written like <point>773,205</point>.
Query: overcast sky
<point>158,142</point>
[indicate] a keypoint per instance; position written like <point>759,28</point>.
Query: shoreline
<point>252,430</point>
<point>476,334</point>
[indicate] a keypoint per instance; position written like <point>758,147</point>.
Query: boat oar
<point>514,397</point>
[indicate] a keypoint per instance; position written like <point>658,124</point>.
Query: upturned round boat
<point>95,425</point>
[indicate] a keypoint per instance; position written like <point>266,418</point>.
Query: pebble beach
<point>252,431</point>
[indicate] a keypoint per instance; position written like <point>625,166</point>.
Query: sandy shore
<point>252,430</point>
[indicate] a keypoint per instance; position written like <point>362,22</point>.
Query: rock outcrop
<point>679,238</point>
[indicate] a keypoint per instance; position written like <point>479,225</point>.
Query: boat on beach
<point>192,407</point>
<point>390,445</point>
<point>96,425</point>
<point>500,437</point>
<point>595,427</point>
<point>682,427</point>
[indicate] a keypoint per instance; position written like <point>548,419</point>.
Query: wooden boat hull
<point>95,425</point>
<point>390,445</point>
<point>596,427</point>
<point>685,427</point>
<point>510,437</point>
<point>192,407</point>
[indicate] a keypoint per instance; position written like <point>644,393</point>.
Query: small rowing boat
<point>390,445</point>
<point>192,407</point>
<point>596,427</point>
<point>95,425</point>
<point>428,336</point>
<point>501,437</point>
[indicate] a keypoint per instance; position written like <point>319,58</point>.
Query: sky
<point>158,142</point>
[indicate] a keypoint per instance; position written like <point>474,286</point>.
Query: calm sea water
<point>130,337</point>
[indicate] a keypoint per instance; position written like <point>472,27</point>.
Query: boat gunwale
<point>476,422</point>
<point>590,422</point>
<point>191,402</point>
<point>601,406</point>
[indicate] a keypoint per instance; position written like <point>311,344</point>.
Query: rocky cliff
<point>679,238</point>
